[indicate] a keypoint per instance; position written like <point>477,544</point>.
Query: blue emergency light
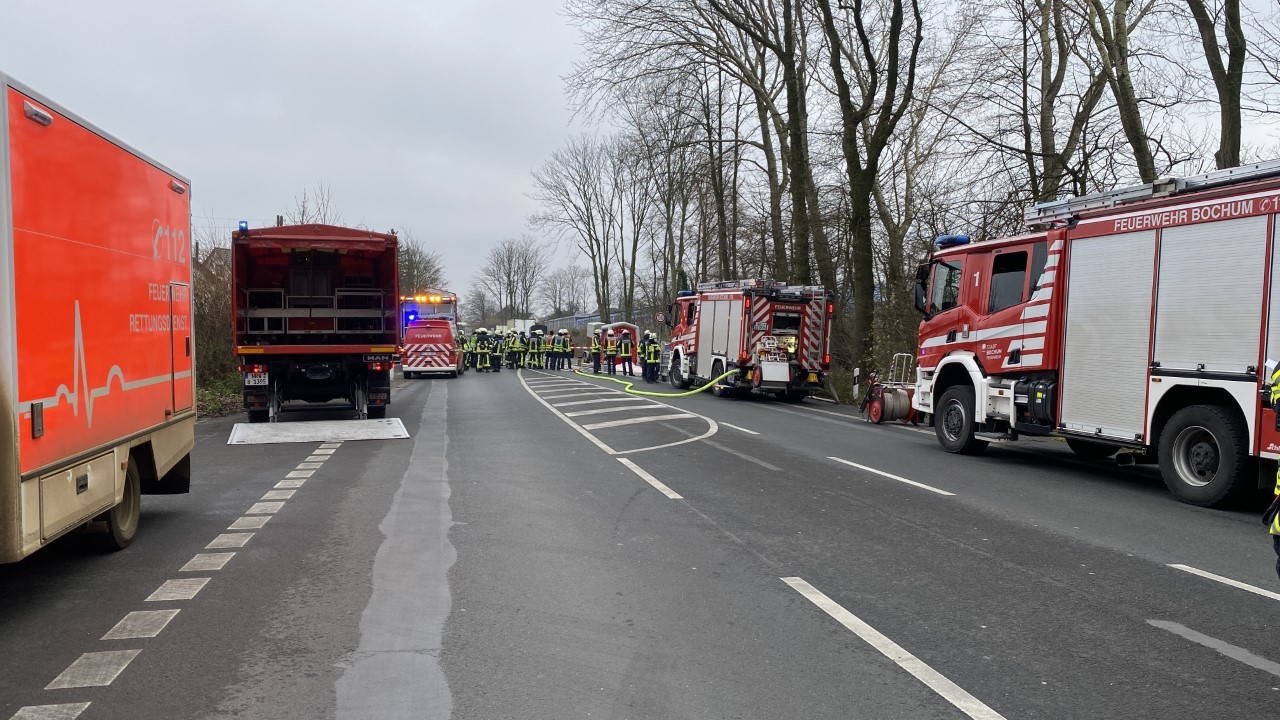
<point>244,226</point>
<point>410,316</point>
<point>946,241</point>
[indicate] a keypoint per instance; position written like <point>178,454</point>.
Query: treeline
<point>825,142</point>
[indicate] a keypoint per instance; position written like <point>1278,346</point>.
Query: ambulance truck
<point>96,368</point>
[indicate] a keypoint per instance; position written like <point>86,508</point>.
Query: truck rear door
<point>181,381</point>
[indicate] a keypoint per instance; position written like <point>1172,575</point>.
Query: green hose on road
<point>648,393</point>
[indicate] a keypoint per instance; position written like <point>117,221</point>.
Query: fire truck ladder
<point>1064,211</point>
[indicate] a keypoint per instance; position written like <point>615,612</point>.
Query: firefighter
<point>512,340</point>
<point>566,351</point>
<point>469,350</point>
<point>480,348</point>
<point>1273,517</point>
<point>611,352</point>
<point>496,348</point>
<point>626,349</point>
<point>595,352</point>
<point>653,357</point>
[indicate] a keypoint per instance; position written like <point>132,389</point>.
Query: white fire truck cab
<point>774,337</point>
<point>1141,318</point>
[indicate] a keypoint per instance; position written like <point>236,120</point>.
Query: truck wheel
<point>954,423</point>
<point>678,380</point>
<point>122,520</point>
<point>258,416</point>
<point>1091,450</point>
<point>1204,456</point>
<point>875,411</point>
<point>377,412</point>
<point>717,369</point>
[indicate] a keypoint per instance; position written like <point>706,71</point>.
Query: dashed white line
<point>952,693</point>
<point>330,446</point>
<point>323,451</point>
<point>891,476</point>
<point>228,540</point>
<point>94,669</point>
<point>1219,646</point>
<point>624,398</point>
<point>1227,581</point>
<point>621,408</point>
<point>301,474</point>
<point>264,508</point>
<point>183,589</point>
<point>62,711</point>
<point>140,624</point>
<point>288,483</point>
<point>636,420</point>
<point>278,494</point>
<point>593,393</point>
<point>740,429</point>
<point>249,522</point>
<point>317,458</point>
<point>310,465</point>
<point>655,482</point>
<point>204,562</point>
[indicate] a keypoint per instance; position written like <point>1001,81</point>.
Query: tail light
<point>253,368</point>
<point>826,361</point>
<point>379,366</point>
<point>747,301</point>
<point>831,307</point>
<point>743,358</point>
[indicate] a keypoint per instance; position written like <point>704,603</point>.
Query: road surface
<point>546,546</point>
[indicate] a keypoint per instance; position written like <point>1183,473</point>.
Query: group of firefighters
<point>484,351</point>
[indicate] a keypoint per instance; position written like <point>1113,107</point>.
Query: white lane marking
<point>952,693</point>
<point>1227,581</point>
<point>301,474</point>
<point>620,408</point>
<point>204,562</point>
<point>767,466</point>
<point>891,476</point>
<point>228,540</point>
<point>316,458</point>
<point>846,416</point>
<point>331,446</point>
<point>264,508</point>
<point>593,393</point>
<point>140,624</point>
<point>183,589</point>
<point>541,385</point>
<point>655,482</point>
<point>625,398</point>
<point>740,429</point>
<point>278,494</point>
<point>637,420</point>
<point>323,451</point>
<point>295,483</point>
<point>910,428</point>
<point>94,669</point>
<point>594,440</point>
<point>249,523</point>
<point>310,465</point>
<point>64,711</point>
<point>1220,646</point>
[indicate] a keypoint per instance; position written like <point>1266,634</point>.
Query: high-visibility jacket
<point>595,345</point>
<point>625,347</point>
<point>517,344</point>
<point>610,347</point>
<point>469,344</point>
<point>653,353</point>
<point>560,343</point>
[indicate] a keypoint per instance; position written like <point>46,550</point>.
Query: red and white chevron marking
<point>428,355</point>
<point>759,314</point>
<point>811,332</point>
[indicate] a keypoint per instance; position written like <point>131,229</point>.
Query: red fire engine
<point>776,336</point>
<point>1141,318</point>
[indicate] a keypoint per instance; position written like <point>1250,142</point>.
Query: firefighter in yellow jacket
<point>1273,512</point>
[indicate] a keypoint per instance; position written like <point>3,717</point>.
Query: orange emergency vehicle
<point>97,375</point>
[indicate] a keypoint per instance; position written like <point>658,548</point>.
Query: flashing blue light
<point>683,293</point>
<point>244,226</point>
<point>410,317</point>
<point>946,241</point>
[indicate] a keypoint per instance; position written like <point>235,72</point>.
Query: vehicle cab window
<point>945,287</point>
<point>1008,281</point>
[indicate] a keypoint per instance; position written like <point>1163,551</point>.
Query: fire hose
<point>648,393</point>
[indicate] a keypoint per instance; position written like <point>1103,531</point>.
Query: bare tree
<point>1227,73</point>
<point>315,206</point>
<point>564,291</point>
<point>420,268</point>
<point>512,271</point>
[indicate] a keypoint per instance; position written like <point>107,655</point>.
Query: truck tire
<point>1204,456</point>
<point>678,380</point>
<point>717,369</point>
<point>122,520</point>
<point>954,422</point>
<point>1091,450</point>
<point>258,416</point>
<point>377,412</point>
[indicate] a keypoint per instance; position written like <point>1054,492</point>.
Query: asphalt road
<point>546,546</point>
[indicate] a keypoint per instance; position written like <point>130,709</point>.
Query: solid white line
<point>952,693</point>
<point>1227,581</point>
<point>594,440</point>
<point>94,669</point>
<point>891,476</point>
<point>301,474</point>
<point>740,429</point>
<point>1219,646</point>
<point>64,711</point>
<point>310,465</point>
<point>637,420</point>
<point>264,508</point>
<point>140,624</point>
<point>317,458</point>
<point>625,398</point>
<point>846,416</point>
<point>295,483</point>
<point>203,562</point>
<point>650,479</point>
<point>249,523</point>
<point>909,428</point>
<point>228,540</point>
<point>278,494</point>
<point>183,589</point>
<point>620,408</point>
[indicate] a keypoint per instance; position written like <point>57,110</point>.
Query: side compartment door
<point>181,352</point>
<point>1108,335</point>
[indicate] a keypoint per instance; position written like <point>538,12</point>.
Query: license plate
<point>377,358</point>
<point>255,378</point>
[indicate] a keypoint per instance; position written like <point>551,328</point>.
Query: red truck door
<point>180,361</point>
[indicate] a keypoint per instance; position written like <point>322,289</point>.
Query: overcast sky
<point>425,114</point>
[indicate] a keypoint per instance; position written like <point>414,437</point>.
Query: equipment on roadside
<point>1136,319</point>
<point>891,400</point>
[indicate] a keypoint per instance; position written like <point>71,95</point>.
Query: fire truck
<point>97,381</point>
<point>775,337</point>
<point>1142,319</point>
